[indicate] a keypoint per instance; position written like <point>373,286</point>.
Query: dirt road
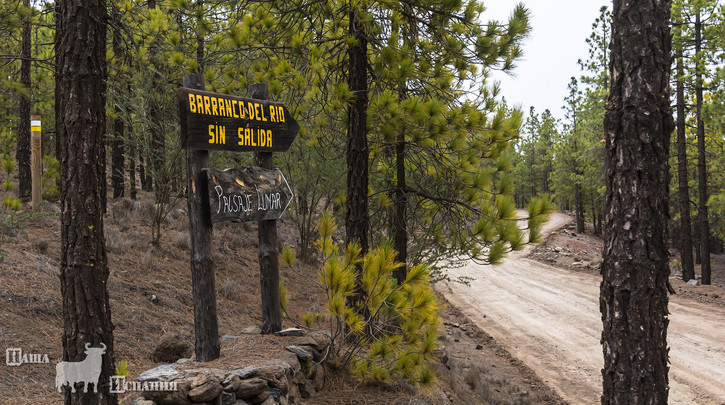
<point>549,318</point>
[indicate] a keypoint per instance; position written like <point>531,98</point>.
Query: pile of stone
<point>296,373</point>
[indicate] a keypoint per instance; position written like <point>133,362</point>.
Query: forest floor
<point>150,293</point>
<point>542,304</point>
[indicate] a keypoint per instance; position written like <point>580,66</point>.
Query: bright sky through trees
<point>557,41</point>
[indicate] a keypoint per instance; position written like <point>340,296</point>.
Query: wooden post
<point>206,326</point>
<point>36,161</point>
<point>268,251</point>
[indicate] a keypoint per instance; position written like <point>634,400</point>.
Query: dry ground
<point>150,291</point>
<point>542,304</point>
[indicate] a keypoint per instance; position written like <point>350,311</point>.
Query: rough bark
<point>400,232</point>
<point>268,246</point>
<point>158,141</point>
<point>132,172</point>
<point>638,125</point>
<point>80,124</point>
<point>357,220</point>
<point>206,324</point>
<point>688,267</point>
<point>578,200</point>
<point>117,141</point>
<point>22,152</point>
<point>701,162</point>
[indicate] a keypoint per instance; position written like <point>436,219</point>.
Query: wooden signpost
<point>212,121</point>
<point>36,161</point>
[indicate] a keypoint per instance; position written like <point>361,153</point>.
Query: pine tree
<point>80,125</point>
<point>635,268</point>
<point>22,153</point>
<point>685,245</point>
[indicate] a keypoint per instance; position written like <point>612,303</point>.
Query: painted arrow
<point>252,194</point>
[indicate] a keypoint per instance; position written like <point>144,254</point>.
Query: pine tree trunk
<point>688,267</point>
<point>400,232</point>
<point>117,142</point>
<point>117,159</point>
<point>158,142</point>
<point>579,208</point>
<point>701,163</point>
<point>357,220</point>
<point>80,100</point>
<point>696,240</point>
<point>533,173</point>
<point>132,172</point>
<point>22,153</point>
<point>638,124</point>
<point>143,173</point>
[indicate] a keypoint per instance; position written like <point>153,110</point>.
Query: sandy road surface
<point>549,318</point>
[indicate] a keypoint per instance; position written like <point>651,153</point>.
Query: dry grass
<point>31,314</point>
<point>31,304</point>
<point>182,240</point>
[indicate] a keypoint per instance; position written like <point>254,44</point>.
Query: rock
<point>269,401</point>
<point>306,341</point>
<point>290,332</point>
<point>171,348</point>
<point>178,397</point>
<point>154,299</point>
<point>319,378</point>
<point>228,338</point>
<point>304,355</point>
<point>260,398</point>
<point>241,402</point>
<point>231,383</point>
<point>206,392</point>
<point>251,388</point>
<point>228,398</point>
<point>183,361</point>
<point>273,372</point>
<point>164,372</point>
<point>693,282</point>
<point>247,372</point>
<point>274,393</point>
<point>557,249</point>
<point>479,347</point>
<point>141,401</point>
<point>576,264</point>
<point>316,354</point>
<point>322,340</point>
<point>251,330</point>
<point>306,389</point>
<point>293,396</point>
<point>291,359</point>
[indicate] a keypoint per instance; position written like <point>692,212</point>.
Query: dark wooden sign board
<point>252,194</point>
<point>214,121</point>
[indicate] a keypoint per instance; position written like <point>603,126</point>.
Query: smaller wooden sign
<point>252,194</point>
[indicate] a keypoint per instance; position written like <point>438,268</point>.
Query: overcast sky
<point>559,31</point>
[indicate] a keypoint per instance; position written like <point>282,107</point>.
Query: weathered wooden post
<point>36,161</point>
<point>268,251</point>
<point>206,326</point>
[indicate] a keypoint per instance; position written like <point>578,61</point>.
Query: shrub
<point>381,329</point>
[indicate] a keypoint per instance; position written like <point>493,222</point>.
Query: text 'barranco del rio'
<point>213,121</point>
